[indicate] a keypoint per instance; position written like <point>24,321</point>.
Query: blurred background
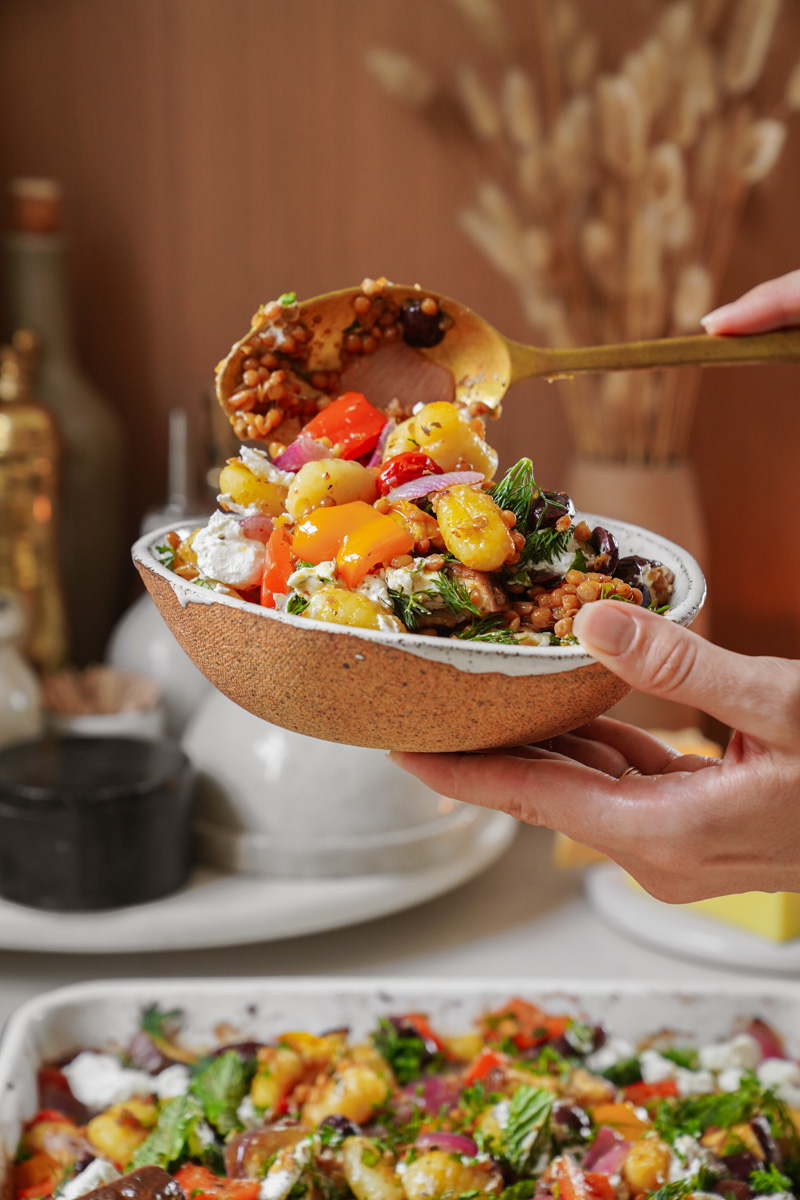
<point>213,155</point>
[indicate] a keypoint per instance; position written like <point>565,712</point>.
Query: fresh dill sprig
<point>455,595</point>
<point>409,609</point>
<point>514,492</point>
<point>298,604</point>
<point>166,556</point>
<point>543,545</point>
<point>287,299</point>
<point>653,607</point>
<point>489,629</point>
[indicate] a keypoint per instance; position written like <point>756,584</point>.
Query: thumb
<point>759,696</point>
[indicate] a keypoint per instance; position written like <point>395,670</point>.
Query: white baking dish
<point>103,1014</point>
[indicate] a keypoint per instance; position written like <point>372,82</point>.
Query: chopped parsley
<point>682,1056</point>
<point>766,1181</point>
<point>297,604</point>
<point>405,1051</point>
<point>166,555</point>
<point>287,299</point>
<point>696,1114</point>
<point>627,1070</point>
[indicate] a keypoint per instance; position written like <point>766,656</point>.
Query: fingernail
<point>607,627</point>
<point>713,320</point>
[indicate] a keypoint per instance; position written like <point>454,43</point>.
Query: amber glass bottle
<point>93,547</point>
<point>29,564</point>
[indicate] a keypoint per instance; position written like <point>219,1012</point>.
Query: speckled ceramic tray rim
<point>99,1013</point>
<point>690,591</point>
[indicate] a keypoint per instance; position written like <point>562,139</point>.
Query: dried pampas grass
<point>610,201</point>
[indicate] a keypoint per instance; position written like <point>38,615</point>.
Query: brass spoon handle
<point>702,350</point>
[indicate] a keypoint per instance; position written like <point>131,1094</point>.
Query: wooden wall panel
<point>217,152</point>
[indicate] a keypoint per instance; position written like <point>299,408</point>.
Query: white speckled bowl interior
<point>397,690</point>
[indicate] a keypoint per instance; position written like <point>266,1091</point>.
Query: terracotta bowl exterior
<point>398,691</point>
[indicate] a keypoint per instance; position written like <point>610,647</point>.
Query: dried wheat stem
<point>747,43</point>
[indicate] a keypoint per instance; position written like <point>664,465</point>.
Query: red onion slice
<point>610,1163</point>
<point>257,528</point>
<point>415,489</point>
<point>376,458</point>
<point>450,1143</point>
<point>607,1143</point>
<point>302,450</point>
<point>768,1040</point>
<point>433,1092</point>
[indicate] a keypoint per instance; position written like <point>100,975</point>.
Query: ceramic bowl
<point>272,802</point>
<point>399,691</point>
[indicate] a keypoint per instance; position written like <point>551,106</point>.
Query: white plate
<point>218,909</point>
<point>683,931</point>
<point>100,1014</point>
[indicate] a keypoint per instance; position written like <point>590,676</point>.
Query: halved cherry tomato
<point>403,468</point>
<point>278,567</point>
<point>36,1176</point>
<point>199,1181</point>
<point>483,1064</point>
<point>351,423</point>
<point>575,1184</point>
<point>53,1115</point>
<point>377,541</point>
<point>320,534</point>
<point>641,1094</point>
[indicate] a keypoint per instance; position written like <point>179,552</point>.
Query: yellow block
<point>772,915</point>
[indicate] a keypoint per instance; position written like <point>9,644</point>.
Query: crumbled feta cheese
<point>613,1051</point>
<point>225,500</point>
<point>308,580</point>
<point>375,589</point>
<point>247,1112</point>
<point>741,1051</point>
<point>784,1076</point>
<point>412,580</point>
<point>173,1081</point>
<point>656,1068</point>
<point>225,554</point>
<point>98,1080</point>
<point>258,464</point>
<point>277,1184</point>
<point>561,563</point>
<point>729,1080</point>
<point>688,1156</point>
<point>98,1173</point>
<point>203,1133</point>
<point>694,1083</point>
<point>501,1113</point>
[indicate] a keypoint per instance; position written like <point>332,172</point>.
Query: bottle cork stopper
<point>35,205</point>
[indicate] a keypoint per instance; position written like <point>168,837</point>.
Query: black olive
<point>408,1029</point>
<point>766,1140</point>
<point>543,578</point>
<point>342,1125</point>
<point>733,1189</point>
<point>245,1050</point>
<point>742,1164</point>
<point>549,508</point>
<point>570,1123</point>
<point>420,328</point>
<point>631,569</point>
<point>603,542</point>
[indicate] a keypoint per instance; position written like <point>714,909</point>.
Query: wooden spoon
<point>484,363</point>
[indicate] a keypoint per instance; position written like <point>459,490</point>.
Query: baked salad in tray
<point>527,1103</point>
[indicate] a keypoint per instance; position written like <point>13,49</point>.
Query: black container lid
<point>86,770</point>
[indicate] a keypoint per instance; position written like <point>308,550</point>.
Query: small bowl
<point>399,691</point>
<point>92,823</point>
<point>275,803</point>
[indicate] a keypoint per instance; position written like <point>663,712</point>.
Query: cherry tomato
<point>405,467</point>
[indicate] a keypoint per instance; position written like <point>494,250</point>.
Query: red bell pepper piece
<point>199,1181</point>
<point>351,423</point>
<point>403,468</point>
<point>423,1028</point>
<point>642,1094</point>
<point>575,1184</point>
<point>53,1115</point>
<point>278,567</point>
<point>482,1065</point>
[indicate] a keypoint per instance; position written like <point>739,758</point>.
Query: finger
<point>641,749</point>
<point>543,789</point>
<point>771,305</point>
<point>691,762</point>
<point>760,696</point>
<point>593,754</point>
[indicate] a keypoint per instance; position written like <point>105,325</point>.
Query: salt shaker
<point>20,707</point>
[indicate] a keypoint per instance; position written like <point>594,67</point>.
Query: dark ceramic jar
<point>91,823</point>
